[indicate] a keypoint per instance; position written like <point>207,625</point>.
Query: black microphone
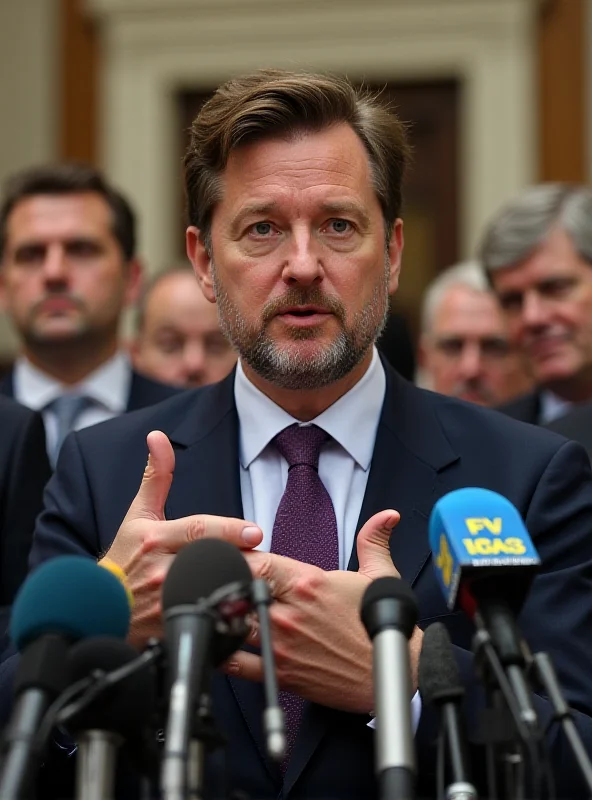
<point>63,600</point>
<point>440,686</point>
<point>206,596</point>
<point>120,714</point>
<point>389,614</point>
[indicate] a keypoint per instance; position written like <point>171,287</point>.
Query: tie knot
<point>69,406</point>
<point>301,444</point>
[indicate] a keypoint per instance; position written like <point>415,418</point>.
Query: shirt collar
<point>552,407</point>
<point>108,385</point>
<point>352,420</point>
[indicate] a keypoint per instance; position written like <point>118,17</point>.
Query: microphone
<point>120,714</point>
<point>440,685</point>
<point>389,614</point>
<point>205,599</point>
<point>63,600</point>
<point>485,562</point>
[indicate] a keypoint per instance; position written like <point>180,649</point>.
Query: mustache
<point>474,386</point>
<point>59,295</point>
<point>299,296</point>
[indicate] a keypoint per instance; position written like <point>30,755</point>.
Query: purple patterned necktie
<point>305,527</point>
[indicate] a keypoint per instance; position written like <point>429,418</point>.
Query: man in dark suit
<point>576,425</point>
<point>295,233</point>
<point>537,252</point>
<point>24,471</point>
<point>67,271</point>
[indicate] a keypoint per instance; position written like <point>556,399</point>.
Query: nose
<point>303,265</point>
<point>471,360</point>
<point>194,361</point>
<point>534,310</point>
<point>55,269</point>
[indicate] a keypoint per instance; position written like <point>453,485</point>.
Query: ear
<point>135,280</point>
<point>200,260</point>
<point>395,252</point>
<point>422,352</point>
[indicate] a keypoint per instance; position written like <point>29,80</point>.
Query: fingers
<point>374,554</point>
<point>172,536</point>
<point>279,572</point>
<point>245,665</point>
<point>151,497</point>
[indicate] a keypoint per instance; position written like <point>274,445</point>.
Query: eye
<point>340,226</point>
<point>262,228</point>
<point>511,302</point>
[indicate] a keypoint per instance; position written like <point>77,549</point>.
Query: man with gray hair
<point>538,255</point>
<point>464,349</point>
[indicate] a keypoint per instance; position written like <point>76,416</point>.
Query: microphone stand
<point>504,755</point>
<point>95,773</point>
<point>547,678</point>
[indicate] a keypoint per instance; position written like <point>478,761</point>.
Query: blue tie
<point>67,409</point>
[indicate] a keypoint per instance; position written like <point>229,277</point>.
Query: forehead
<point>59,216</point>
<point>177,299</point>
<point>466,311</point>
<point>302,171</point>
<point>555,256</point>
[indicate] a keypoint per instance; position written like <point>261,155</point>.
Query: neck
<point>307,404</point>
<point>70,362</point>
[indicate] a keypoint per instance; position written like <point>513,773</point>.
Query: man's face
<point>466,354</point>
<point>547,300</point>
<point>180,341</point>
<point>63,272</point>
<point>300,269</point>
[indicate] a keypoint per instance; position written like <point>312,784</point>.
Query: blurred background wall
<point>498,94</point>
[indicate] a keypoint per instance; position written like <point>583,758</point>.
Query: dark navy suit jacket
<point>426,446</point>
<point>24,471</point>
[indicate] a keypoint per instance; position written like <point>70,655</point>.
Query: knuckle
<point>149,540</point>
<point>308,583</point>
<point>265,570</point>
<point>196,529</point>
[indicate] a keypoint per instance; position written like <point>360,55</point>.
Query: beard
<point>288,367</point>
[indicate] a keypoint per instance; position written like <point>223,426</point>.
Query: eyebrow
<point>253,209</point>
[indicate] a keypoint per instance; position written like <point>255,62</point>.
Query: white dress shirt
<point>108,388</point>
<point>344,462</point>
<point>552,407</point>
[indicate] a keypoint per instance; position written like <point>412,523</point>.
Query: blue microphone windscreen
<point>477,532</point>
<point>71,596</point>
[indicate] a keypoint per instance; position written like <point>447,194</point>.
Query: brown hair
<point>64,179</point>
<point>276,103</point>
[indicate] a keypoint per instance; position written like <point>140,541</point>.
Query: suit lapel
<point>410,451</point>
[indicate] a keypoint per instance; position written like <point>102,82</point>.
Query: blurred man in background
<point>179,339</point>
<point>464,349</point>
<point>537,252</point>
<point>68,271</point>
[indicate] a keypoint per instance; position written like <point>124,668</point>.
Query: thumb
<point>156,481</point>
<point>374,555</point>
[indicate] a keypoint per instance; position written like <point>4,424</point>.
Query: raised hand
<point>146,543</point>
